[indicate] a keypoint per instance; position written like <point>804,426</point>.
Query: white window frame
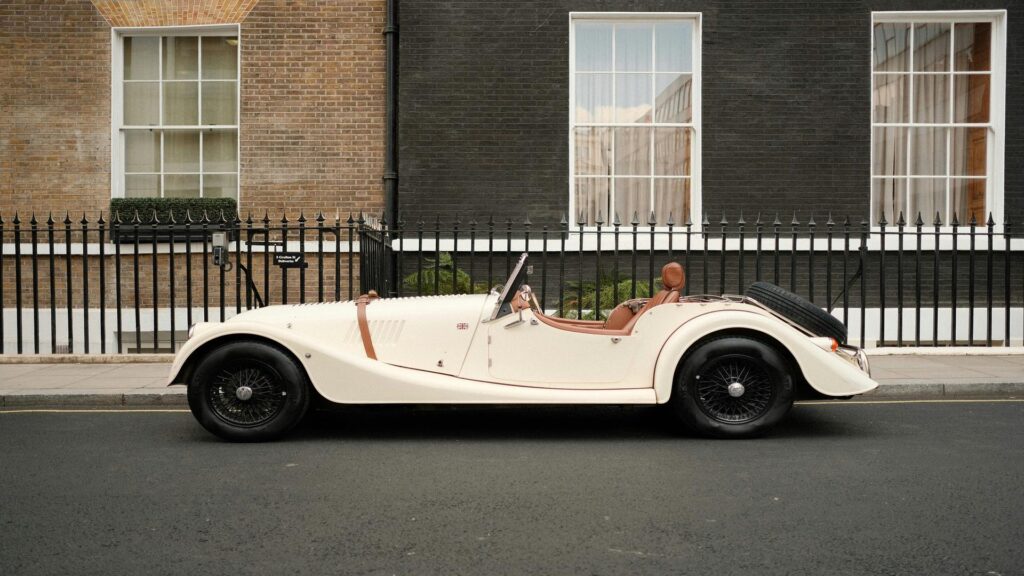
<point>117,127</point>
<point>995,193</point>
<point>694,124</point>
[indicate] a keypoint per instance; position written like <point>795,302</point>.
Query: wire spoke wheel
<point>247,394</point>
<point>734,389</point>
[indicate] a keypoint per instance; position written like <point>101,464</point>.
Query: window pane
<point>219,103</point>
<point>931,99</point>
<point>138,186</point>
<point>592,199</point>
<point>633,47</point>
<point>969,198</point>
<point>181,103</point>
<point>890,151</point>
<point>672,151</point>
<point>593,47</point>
<point>181,58</point>
<point>141,151</point>
<point>141,104</point>
<point>220,186</point>
<point>181,186</point>
<point>892,98</point>
<point>890,48</point>
<point>970,152</point>
<point>220,57</point>
<point>141,55</point>
<point>181,152</point>
<point>971,98</point>
<point>672,198</point>
<point>931,48</point>
<point>973,46</point>
<point>927,196</point>
<point>220,151</point>
<point>633,197</point>
<point>593,151</point>
<point>633,98</point>
<point>929,151</point>
<point>888,196</point>
<point>673,102</point>
<point>632,151</point>
<point>594,98</point>
<point>673,48</point>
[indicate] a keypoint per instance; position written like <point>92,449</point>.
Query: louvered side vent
<point>353,334</point>
<point>386,332</point>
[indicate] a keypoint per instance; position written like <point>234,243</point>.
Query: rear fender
<point>823,370</point>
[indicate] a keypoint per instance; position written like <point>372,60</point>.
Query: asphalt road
<point>927,488</point>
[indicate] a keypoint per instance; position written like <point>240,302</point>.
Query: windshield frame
<point>503,305</point>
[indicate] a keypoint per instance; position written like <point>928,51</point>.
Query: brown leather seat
<point>673,278</point>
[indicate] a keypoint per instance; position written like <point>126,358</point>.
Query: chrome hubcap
<point>243,393</point>
<point>736,389</point>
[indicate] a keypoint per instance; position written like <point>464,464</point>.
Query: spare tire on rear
<point>798,309</point>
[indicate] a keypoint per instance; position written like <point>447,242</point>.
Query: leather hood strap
<point>364,326</point>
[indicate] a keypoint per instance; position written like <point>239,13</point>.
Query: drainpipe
<point>391,114</point>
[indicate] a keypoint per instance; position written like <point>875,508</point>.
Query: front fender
<point>825,371</point>
<point>304,348</point>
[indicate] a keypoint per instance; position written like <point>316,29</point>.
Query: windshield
<point>504,304</point>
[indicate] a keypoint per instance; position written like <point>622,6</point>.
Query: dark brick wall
<point>484,103</point>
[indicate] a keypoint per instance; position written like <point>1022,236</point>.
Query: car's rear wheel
<point>248,391</point>
<point>733,387</point>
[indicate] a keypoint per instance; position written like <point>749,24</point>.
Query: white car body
<point>448,350</point>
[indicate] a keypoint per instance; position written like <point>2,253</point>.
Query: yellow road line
<point>949,401</point>
<point>800,403</point>
<point>89,411</point>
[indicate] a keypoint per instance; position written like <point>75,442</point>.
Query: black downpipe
<point>391,113</point>
<point>391,214</point>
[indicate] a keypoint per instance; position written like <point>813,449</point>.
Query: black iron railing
<point>68,287</point>
<point>893,284</point>
<point>133,285</point>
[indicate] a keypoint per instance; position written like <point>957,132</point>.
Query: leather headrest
<point>673,277</point>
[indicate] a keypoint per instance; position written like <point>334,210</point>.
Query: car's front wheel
<point>248,391</point>
<point>733,387</point>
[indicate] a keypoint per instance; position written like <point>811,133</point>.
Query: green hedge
<point>445,273</point>
<point>573,299</point>
<point>125,208</point>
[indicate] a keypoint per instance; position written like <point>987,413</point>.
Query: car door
<point>533,353</point>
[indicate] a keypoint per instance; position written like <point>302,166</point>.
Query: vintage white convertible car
<point>726,366</point>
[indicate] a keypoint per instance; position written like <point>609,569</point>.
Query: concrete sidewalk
<point>142,384</point>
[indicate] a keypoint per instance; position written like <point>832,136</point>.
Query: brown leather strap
<point>364,326</point>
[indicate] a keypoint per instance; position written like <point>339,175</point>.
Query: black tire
<point>799,310</point>
<point>276,400</point>
<point>701,398</point>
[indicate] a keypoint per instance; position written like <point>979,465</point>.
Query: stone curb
<point>94,400</point>
<point>177,398</point>
<point>958,390</point>
<point>87,359</point>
